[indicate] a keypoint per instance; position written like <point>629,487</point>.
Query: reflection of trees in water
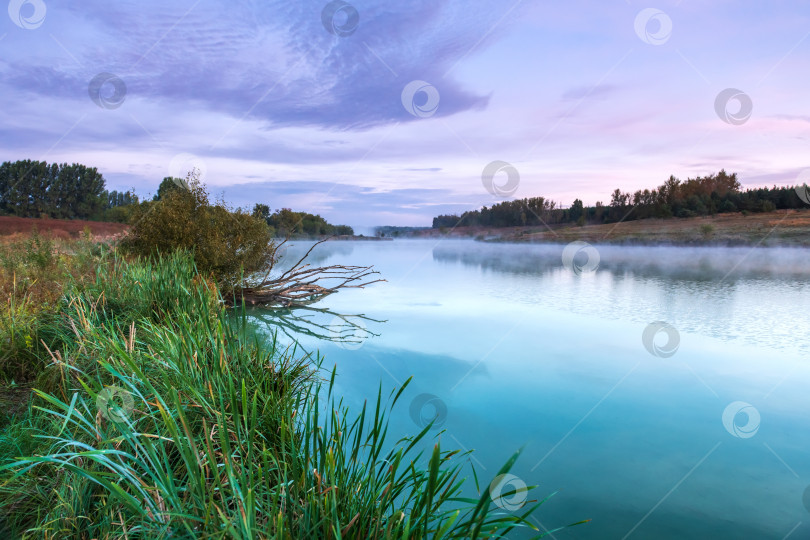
<point>303,320</point>
<point>733,294</point>
<point>495,259</point>
<point>677,263</point>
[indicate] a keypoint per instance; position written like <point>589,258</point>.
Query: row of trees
<point>39,189</point>
<point>701,196</point>
<point>285,222</point>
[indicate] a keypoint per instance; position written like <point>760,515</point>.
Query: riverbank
<point>779,228</point>
<point>135,406</point>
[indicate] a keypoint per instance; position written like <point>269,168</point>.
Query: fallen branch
<point>302,283</point>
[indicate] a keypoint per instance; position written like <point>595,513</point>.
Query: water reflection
<point>757,296</point>
<point>615,382</point>
<point>308,321</point>
<point>678,263</point>
<point>294,249</point>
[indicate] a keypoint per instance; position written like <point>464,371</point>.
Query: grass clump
<point>707,230</point>
<point>159,416</point>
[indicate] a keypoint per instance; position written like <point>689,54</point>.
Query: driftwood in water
<point>304,284</point>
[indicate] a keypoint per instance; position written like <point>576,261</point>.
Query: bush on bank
<point>225,244</point>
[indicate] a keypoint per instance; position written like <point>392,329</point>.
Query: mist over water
<point>622,384</point>
<point>712,291</point>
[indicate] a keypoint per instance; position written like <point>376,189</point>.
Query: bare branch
<point>302,284</point>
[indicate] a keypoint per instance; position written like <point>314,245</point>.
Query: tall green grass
<point>159,418</point>
<point>37,273</point>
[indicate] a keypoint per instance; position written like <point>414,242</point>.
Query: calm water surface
<point>512,350</point>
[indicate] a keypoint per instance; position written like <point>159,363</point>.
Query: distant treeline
<point>38,189</point>
<point>701,196</point>
<point>285,222</point>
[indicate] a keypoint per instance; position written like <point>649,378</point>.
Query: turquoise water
<point>702,432</point>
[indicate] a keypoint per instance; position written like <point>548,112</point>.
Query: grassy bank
<point>145,411</point>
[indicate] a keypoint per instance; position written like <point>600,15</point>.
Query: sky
<point>390,113</point>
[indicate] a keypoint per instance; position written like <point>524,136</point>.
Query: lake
<point>663,392</point>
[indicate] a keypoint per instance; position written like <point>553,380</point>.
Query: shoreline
<point>781,228</point>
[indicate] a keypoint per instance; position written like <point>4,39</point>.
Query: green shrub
<point>224,243</point>
<point>728,206</point>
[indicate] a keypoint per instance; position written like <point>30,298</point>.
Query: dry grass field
<point>11,227</point>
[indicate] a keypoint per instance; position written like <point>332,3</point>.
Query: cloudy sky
<point>382,112</point>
